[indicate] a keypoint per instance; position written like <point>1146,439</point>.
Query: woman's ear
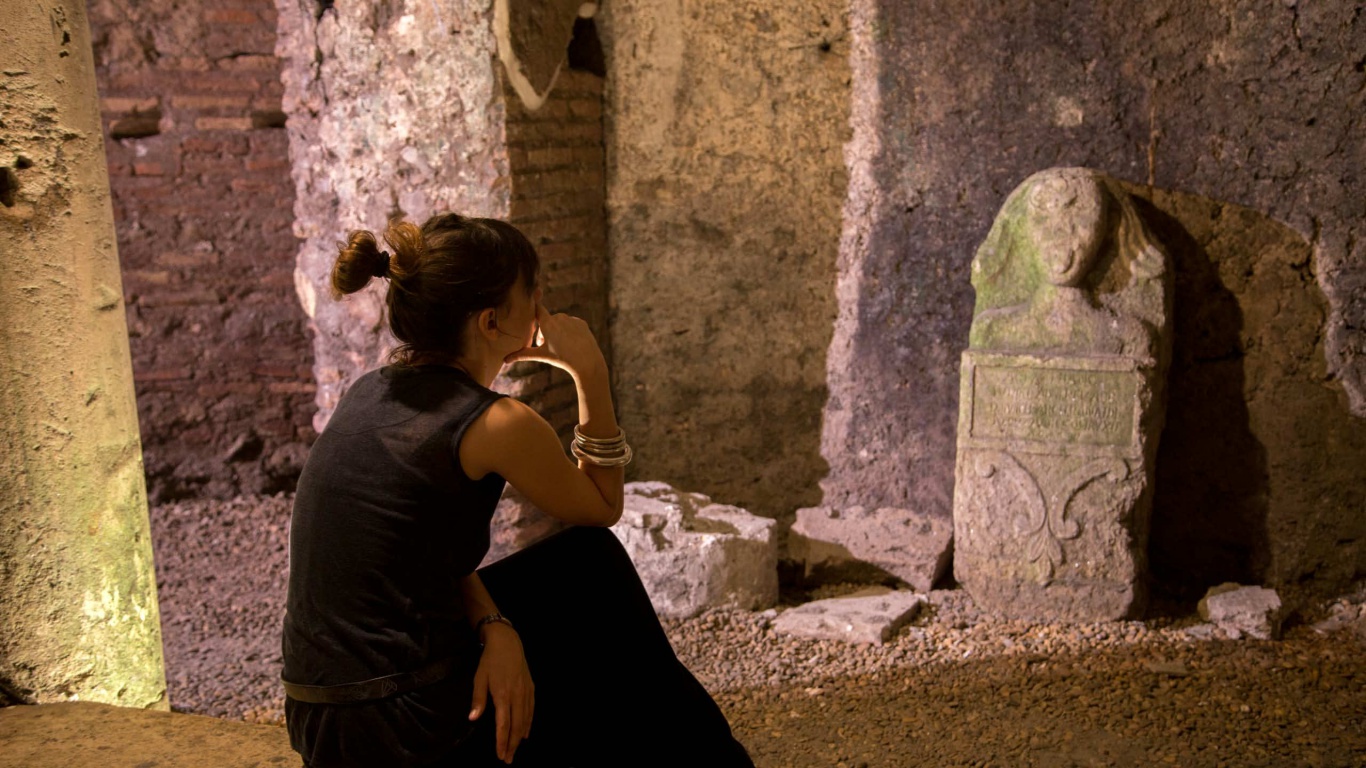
<point>487,323</point>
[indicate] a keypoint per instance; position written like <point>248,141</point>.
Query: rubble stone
<point>1240,610</point>
<point>866,619</point>
<point>693,555</point>
<point>856,544</point>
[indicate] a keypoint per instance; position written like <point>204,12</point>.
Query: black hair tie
<point>382,269</point>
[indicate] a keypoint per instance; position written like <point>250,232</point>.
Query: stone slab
<point>694,555</point>
<point>870,619</point>
<point>90,734</point>
<point>1239,610</point>
<point>857,543</point>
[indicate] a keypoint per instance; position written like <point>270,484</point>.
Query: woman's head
<point>440,275</point>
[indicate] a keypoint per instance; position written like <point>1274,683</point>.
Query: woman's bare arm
<point>511,439</point>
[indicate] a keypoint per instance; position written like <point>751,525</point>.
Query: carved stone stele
<point>1062,403</point>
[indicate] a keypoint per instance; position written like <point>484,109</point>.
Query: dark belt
<point>368,690</point>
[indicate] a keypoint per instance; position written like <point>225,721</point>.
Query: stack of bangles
<point>608,452</point>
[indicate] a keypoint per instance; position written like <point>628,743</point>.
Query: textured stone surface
<point>1256,105</point>
<point>84,733</point>
<point>78,598</point>
<point>1259,472</point>
<point>394,109</point>
<point>867,619</point>
<point>1062,403</point>
<point>693,555</point>
<point>1238,610</point>
<point>517,523</point>
<point>199,175</point>
<point>533,42</point>
<point>857,544</point>
<point>725,179</point>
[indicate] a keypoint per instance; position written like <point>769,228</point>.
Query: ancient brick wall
<point>556,157</point>
<point>199,170</point>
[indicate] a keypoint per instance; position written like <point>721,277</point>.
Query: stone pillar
<point>78,606</point>
<point>1062,403</point>
<point>394,109</point>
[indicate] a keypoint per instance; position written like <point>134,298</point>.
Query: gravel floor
<point>955,688</point>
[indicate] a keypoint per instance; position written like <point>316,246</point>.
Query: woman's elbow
<point>608,515</point>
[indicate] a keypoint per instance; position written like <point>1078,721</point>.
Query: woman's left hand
<point>503,673</point>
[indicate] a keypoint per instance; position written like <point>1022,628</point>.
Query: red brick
<point>259,163</point>
<point>148,169</point>
<point>548,157</point>
<point>219,82</point>
<point>220,390</point>
<point>588,109</point>
<point>124,104</point>
<point>251,63</point>
<point>187,259</point>
<point>164,374</point>
<point>181,299</point>
<point>212,145</point>
<point>238,102</point>
<point>231,16</point>
<point>222,123</point>
<point>275,371</point>
<point>211,164</point>
<point>146,277</point>
<point>255,185</point>
<point>292,387</point>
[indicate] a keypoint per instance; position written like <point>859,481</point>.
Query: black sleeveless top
<point>385,524</point>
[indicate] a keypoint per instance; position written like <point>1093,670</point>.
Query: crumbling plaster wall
<point>198,166</point>
<point>1255,104</point>
<point>725,128</point>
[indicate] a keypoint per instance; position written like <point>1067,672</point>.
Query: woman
<point>396,651</point>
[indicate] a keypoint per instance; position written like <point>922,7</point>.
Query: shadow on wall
<point>1209,512</point>
<point>1258,472</point>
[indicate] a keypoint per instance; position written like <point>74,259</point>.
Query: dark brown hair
<point>440,274</point>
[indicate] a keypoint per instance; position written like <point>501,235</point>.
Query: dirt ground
<point>954,689</point>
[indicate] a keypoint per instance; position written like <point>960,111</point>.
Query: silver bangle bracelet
<point>616,459</point>
<point>611,443</point>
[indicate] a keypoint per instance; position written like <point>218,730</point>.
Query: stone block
<point>693,555</point>
<point>1238,610</point>
<point>516,525</point>
<point>856,543</point>
<point>1062,403</point>
<point>868,619</point>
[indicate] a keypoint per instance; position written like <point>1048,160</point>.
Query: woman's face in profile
<point>518,320</point>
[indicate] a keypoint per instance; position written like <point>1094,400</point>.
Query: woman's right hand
<point>503,675</point>
<point>568,343</point>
